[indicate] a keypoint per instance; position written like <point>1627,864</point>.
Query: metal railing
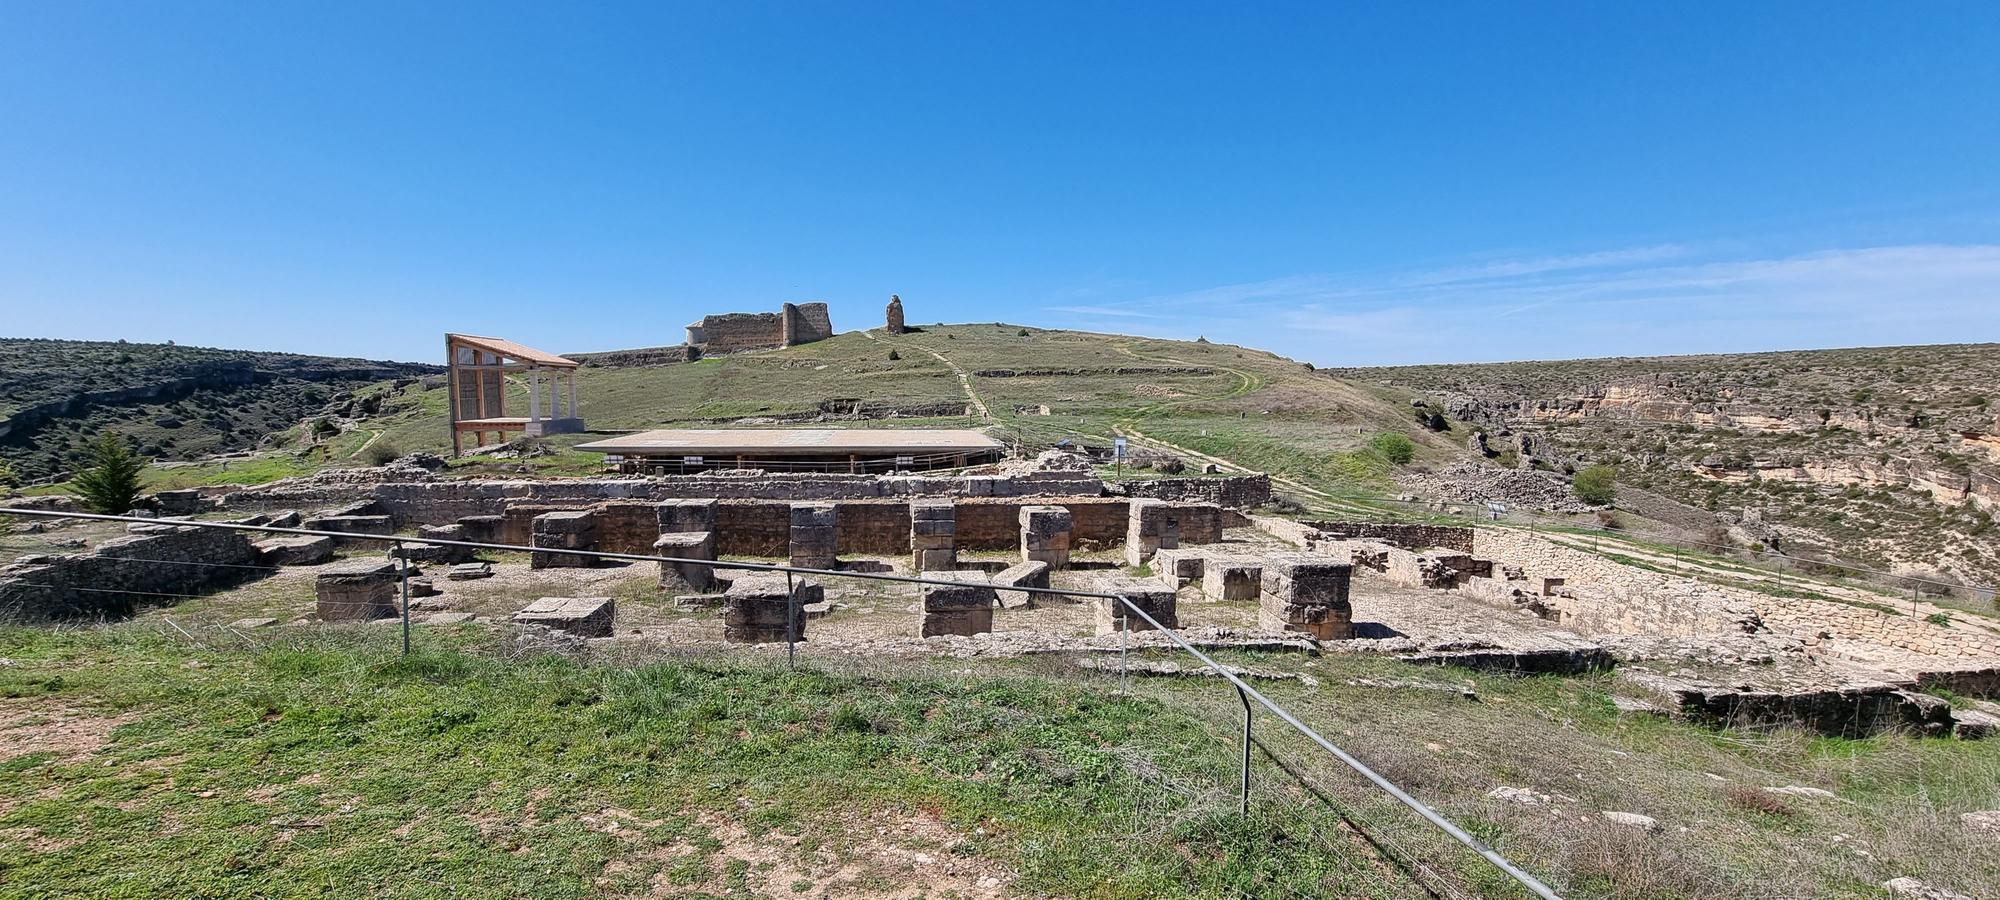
<point>1244,692</point>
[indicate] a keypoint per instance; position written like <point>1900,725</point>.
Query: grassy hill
<point>174,402</point>
<point>1248,406</point>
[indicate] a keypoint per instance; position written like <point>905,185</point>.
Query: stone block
<point>686,515</point>
<point>814,535</point>
<point>1307,594</point>
<point>482,529</point>
<point>1150,526</point>
<point>1199,523</point>
<point>1181,565</point>
<point>582,616</point>
<point>469,571</point>
<point>964,608</point>
<point>180,503</point>
<point>371,525</point>
<point>759,608</point>
<point>357,590</point>
<point>933,535</point>
<point>416,551</point>
<point>295,551</point>
<point>257,622</point>
<point>1046,534</point>
<point>686,545</point>
<point>1148,594</point>
<point>1034,573</point>
<point>1233,579</point>
<point>564,530</point>
<point>423,587</point>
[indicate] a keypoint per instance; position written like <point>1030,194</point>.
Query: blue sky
<point>1344,183</point>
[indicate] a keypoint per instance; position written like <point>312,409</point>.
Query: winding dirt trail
<point>964,378</point>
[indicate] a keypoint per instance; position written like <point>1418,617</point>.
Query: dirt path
<point>964,378</point>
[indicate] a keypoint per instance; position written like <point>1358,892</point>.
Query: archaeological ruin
<point>793,324</point>
<point>1200,554</point>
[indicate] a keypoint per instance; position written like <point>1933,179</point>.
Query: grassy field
<point>139,761</point>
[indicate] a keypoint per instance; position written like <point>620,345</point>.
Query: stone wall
<point>804,323</point>
<point>882,527</point>
<point>736,332</point>
<point>628,526</point>
<point>128,572</point>
<point>1408,537</point>
<point>1600,596</point>
<point>1230,491</point>
<point>441,502</point>
<point>794,323</point>
<point>638,358</point>
<point>1822,623</point>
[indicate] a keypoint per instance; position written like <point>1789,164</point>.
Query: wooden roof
<point>511,350</point>
<point>794,441</point>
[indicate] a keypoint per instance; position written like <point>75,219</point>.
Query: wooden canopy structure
<point>855,450</point>
<point>480,368</point>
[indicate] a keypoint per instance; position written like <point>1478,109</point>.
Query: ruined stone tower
<point>894,322</point>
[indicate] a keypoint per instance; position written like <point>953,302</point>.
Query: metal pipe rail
<point>1244,691</point>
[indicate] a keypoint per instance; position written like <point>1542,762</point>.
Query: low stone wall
<point>639,357</point>
<point>1408,537</point>
<point>1599,596</point>
<point>1229,491</point>
<point>1818,621</point>
<point>143,568</point>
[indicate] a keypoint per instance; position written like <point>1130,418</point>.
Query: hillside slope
<point>175,402</point>
<point>1890,454</point>
<point>1248,406</point>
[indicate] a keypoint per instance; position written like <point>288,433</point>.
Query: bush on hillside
<point>1394,447</point>
<point>1596,485</point>
<point>381,453</point>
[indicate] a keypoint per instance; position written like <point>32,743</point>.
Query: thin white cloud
<point>1639,301</point>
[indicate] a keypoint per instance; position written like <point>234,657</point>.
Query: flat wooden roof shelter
<point>802,449</point>
<point>480,368</point>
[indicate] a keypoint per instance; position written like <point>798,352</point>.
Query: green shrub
<point>1596,485</point>
<point>1394,447</point>
<point>111,483</point>
<point>8,477</point>
<point>380,453</point>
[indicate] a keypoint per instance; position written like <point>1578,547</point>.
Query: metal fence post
<point>1243,807</point>
<point>1124,642</point>
<point>403,576</point>
<point>791,623</point>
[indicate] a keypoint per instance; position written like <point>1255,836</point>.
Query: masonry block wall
<point>627,526</point>
<point>1228,491</point>
<point>152,559</point>
<point>1408,537</point>
<point>804,323</point>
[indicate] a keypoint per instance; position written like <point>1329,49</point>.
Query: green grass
<point>322,766</point>
<point>314,761</point>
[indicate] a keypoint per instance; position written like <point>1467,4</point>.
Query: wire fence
<point>1302,785</point>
